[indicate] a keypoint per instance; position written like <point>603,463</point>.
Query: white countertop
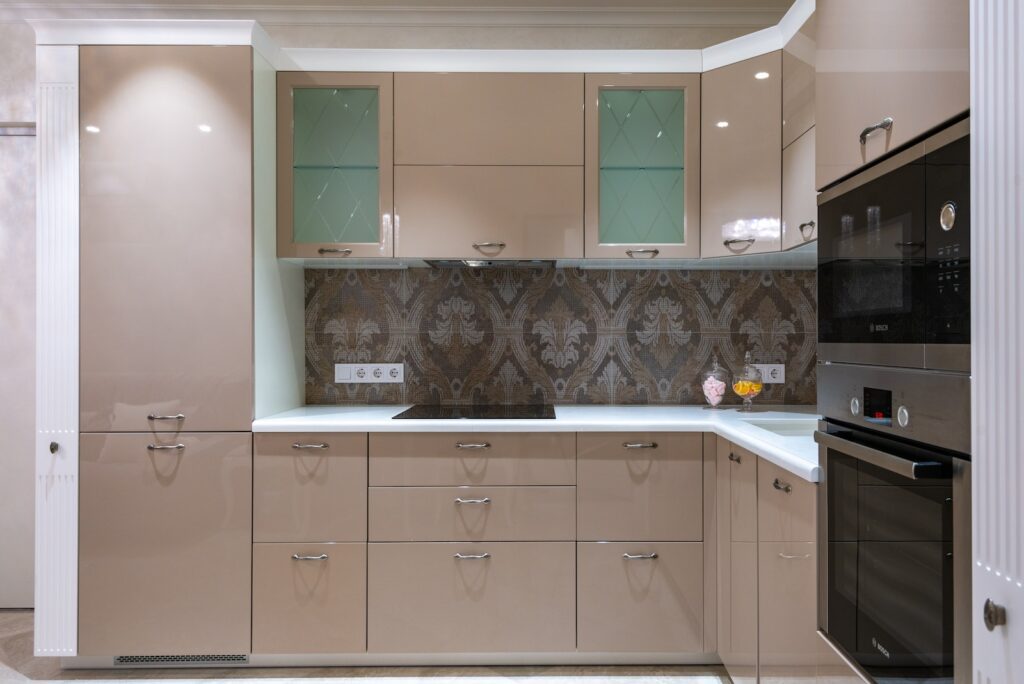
<point>797,453</point>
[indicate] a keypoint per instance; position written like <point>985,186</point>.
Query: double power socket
<point>362,373</point>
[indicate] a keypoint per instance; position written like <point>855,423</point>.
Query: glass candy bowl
<point>748,383</point>
<point>714,383</point>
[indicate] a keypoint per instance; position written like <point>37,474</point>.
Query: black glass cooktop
<point>520,411</point>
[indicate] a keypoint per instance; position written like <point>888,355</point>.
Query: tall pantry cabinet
<point>166,366</point>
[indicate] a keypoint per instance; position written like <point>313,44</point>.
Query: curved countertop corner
<point>796,453</point>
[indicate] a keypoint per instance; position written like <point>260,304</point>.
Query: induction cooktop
<point>517,411</point>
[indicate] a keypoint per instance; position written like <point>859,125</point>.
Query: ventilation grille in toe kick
<point>158,660</point>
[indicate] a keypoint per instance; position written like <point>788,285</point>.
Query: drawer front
<point>422,599</point>
<point>741,494</point>
<point>309,487</point>
<point>787,609</point>
<point>472,514</point>
<point>641,603</point>
<point>315,603</point>
<point>640,487</point>
<point>786,505</point>
<point>454,459</point>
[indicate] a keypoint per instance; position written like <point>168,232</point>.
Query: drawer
<point>644,603</point>
<point>506,597</point>
<point>309,487</point>
<point>786,505</point>
<point>640,487</point>
<point>315,603</point>
<point>787,606</point>
<point>472,514</point>
<point>483,458</point>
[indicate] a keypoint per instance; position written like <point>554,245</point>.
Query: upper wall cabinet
<point>741,157</point>
<point>799,198</point>
<point>642,170</point>
<point>798,58</point>
<point>334,153</point>
<point>887,72</point>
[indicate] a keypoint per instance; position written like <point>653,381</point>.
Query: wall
<point>556,335</point>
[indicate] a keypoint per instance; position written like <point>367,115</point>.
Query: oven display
<point>878,406</point>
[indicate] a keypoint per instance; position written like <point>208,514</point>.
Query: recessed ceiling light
<point>722,124</point>
<point>761,75</point>
<point>205,128</point>
<point>92,129</point>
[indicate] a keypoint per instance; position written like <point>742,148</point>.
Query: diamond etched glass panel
<point>642,147</point>
<point>336,165</point>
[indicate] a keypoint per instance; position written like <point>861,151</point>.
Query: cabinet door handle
<point>650,253</point>
<point>803,232</point>
<point>782,486</point>
<point>472,556</point>
<point>489,245</point>
<point>472,445</point>
<point>300,445</point>
<point>161,447</point>
<point>798,556</point>
<point>177,416</point>
<point>739,241</point>
<point>321,557</point>
<point>735,458</point>
<point>883,125</point>
<point>639,556</point>
<point>334,250</point>
<point>908,244</point>
<point>486,501</point>
<point>639,445</point>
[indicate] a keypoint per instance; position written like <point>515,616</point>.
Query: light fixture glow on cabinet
<point>92,129</point>
<point>722,124</point>
<point>761,75</point>
<point>205,128</point>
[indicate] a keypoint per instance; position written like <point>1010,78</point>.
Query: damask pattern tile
<point>564,336</point>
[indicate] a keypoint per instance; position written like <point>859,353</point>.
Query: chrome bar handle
<point>300,445</point>
<point>806,224</point>
<point>177,416</point>
<point>639,556</point>
<point>334,250</point>
<point>472,556</point>
<point>735,458</point>
<point>632,253</point>
<point>472,445</point>
<point>782,486</point>
<point>883,125</point>
<point>797,556</point>
<point>322,556</point>
<point>161,447</point>
<point>489,245</point>
<point>486,501</point>
<point>639,445</point>
<point>739,241</point>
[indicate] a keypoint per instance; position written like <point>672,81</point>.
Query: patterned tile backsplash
<point>553,335</point>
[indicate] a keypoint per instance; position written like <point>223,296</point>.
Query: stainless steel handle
<point>334,250</point>
<point>472,445</point>
<point>472,556</point>
<point>883,125</point>
<point>908,244</point>
<point>806,224</point>
<point>639,556</point>
<point>489,245</point>
<point>782,486</point>
<point>993,614</point>
<point>735,458</point>
<point>738,241</point>
<point>632,253</point>
<point>914,470</point>
<point>161,447</point>
<point>300,445</point>
<point>639,445</point>
<point>322,556</point>
<point>798,556</point>
<point>484,501</point>
<point>177,416</point>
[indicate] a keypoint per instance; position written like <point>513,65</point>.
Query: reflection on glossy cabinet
<point>741,147</point>
<point>787,612</point>
<point>642,171</point>
<point>798,57</point>
<point>799,198</point>
<point>334,164</point>
<point>877,59</point>
<point>166,238</point>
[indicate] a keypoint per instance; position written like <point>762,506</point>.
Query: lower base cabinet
<point>787,596</point>
<point>471,597</point>
<point>309,598</point>
<point>737,605</point>
<point>641,597</point>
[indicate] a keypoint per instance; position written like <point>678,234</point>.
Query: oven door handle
<point>905,467</point>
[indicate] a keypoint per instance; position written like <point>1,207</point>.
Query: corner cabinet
<point>335,192</point>
<point>642,169</point>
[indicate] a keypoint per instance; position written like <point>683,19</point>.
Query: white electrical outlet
<point>772,373</point>
<point>363,373</point>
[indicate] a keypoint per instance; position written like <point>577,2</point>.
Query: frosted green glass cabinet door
<point>642,166</point>
<point>334,156</point>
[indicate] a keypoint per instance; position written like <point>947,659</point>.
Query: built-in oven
<point>894,259</point>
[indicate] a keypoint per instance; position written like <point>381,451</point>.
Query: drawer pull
<point>322,556</point>
<point>739,241</point>
<point>472,556</point>
<point>179,416</point>
<point>650,253</point>
<point>300,445</point>
<point>486,501</point>
<point>782,486</point>
<point>639,556</point>
<point>161,447</point>
<point>639,445</point>
<point>334,250</point>
<point>803,232</point>
<point>489,245</point>
<point>472,445</point>
<point>735,458</point>
<point>798,556</point>
<point>883,125</point>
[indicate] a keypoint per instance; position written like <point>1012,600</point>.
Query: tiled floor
<point>17,664</point>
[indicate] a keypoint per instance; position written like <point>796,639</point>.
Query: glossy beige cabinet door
<point>799,198</point>
<point>472,514</point>
<point>164,544</point>
<point>908,61</point>
<point>741,147</point>
<point>489,212</point>
<point>640,597</point>
<point>786,505</point>
<point>640,486</point>
<point>489,119</point>
<point>166,238</point>
<point>462,597</point>
<point>787,610</point>
<point>309,487</point>
<point>798,59</point>
<point>308,598</point>
<point>472,458</point>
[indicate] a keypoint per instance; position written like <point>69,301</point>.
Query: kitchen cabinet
<point>643,175</point>
<point>335,195</point>
<point>165,537</point>
<point>741,164</point>
<point>906,62</point>
<point>166,298</point>
<point>799,198</point>
<point>798,60</point>
<point>786,505</point>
